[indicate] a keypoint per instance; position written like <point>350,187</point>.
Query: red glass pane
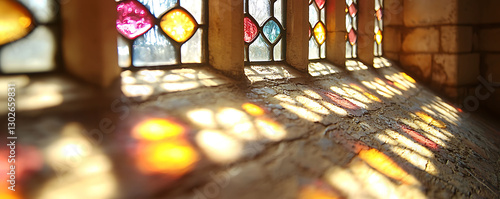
<point>379,14</point>
<point>320,3</point>
<point>133,19</point>
<point>352,37</point>
<point>250,29</point>
<point>352,10</point>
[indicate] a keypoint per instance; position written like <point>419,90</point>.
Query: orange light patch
<point>253,109</point>
<point>385,165</point>
<point>157,129</point>
<point>401,87</point>
<point>372,97</point>
<point>311,192</point>
<point>407,77</point>
<point>430,120</point>
<point>172,158</point>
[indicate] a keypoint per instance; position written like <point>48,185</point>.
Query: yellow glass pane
<point>15,21</point>
<point>320,33</point>
<point>178,25</point>
<point>378,37</point>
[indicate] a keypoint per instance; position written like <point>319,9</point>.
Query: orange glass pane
<point>320,33</point>
<point>378,37</point>
<point>178,25</point>
<point>15,21</point>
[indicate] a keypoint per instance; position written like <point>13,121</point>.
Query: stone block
<point>432,12</point>
<point>418,65</point>
<point>456,39</point>
<point>393,12</point>
<point>392,39</point>
<point>425,40</point>
<point>489,39</point>
<point>492,64</point>
<point>391,56</point>
<point>455,69</point>
<point>490,12</point>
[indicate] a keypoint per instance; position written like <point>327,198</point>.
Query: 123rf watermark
<point>11,137</point>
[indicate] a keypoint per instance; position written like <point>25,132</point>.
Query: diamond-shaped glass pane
<point>133,19</point>
<point>15,21</point>
<point>272,31</point>
<point>320,3</point>
<point>251,30</point>
<point>320,33</point>
<point>178,24</point>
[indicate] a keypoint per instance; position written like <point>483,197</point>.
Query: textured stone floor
<point>359,132</point>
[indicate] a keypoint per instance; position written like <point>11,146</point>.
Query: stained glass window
<point>264,31</point>
<point>161,32</point>
<point>27,36</point>
<point>317,29</point>
<point>351,22</point>
<point>379,27</point>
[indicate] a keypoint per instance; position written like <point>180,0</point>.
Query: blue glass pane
<point>272,31</point>
<point>158,7</point>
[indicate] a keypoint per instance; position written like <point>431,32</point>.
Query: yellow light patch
<point>157,129</point>
<point>253,109</point>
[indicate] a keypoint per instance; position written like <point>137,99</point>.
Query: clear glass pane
<point>34,53</point>
<point>153,48</point>
<point>277,11</point>
<point>355,50</point>
<point>191,51</point>
<point>323,50</point>
<point>44,11</point>
<point>260,10</point>
<point>313,49</point>
<point>277,51</point>
<point>313,15</point>
<point>259,51</point>
<point>323,18</point>
<point>355,23</point>
<point>348,50</point>
<point>123,52</point>
<point>158,7</point>
<point>348,22</point>
<point>195,7</point>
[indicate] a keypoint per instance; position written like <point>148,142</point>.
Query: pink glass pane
<point>133,19</point>
<point>379,14</point>
<point>320,3</point>
<point>251,30</point>
<point>352,37</point>
<point>352,10</point>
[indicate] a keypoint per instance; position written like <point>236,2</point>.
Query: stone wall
<point>450,45</point>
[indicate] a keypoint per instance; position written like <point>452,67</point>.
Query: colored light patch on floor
<point>253,109</point>
<point>171,158</point>
<point>419,137</point>
<point>430,120</point>
<point>157,129</point>
<point>385,165</point>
